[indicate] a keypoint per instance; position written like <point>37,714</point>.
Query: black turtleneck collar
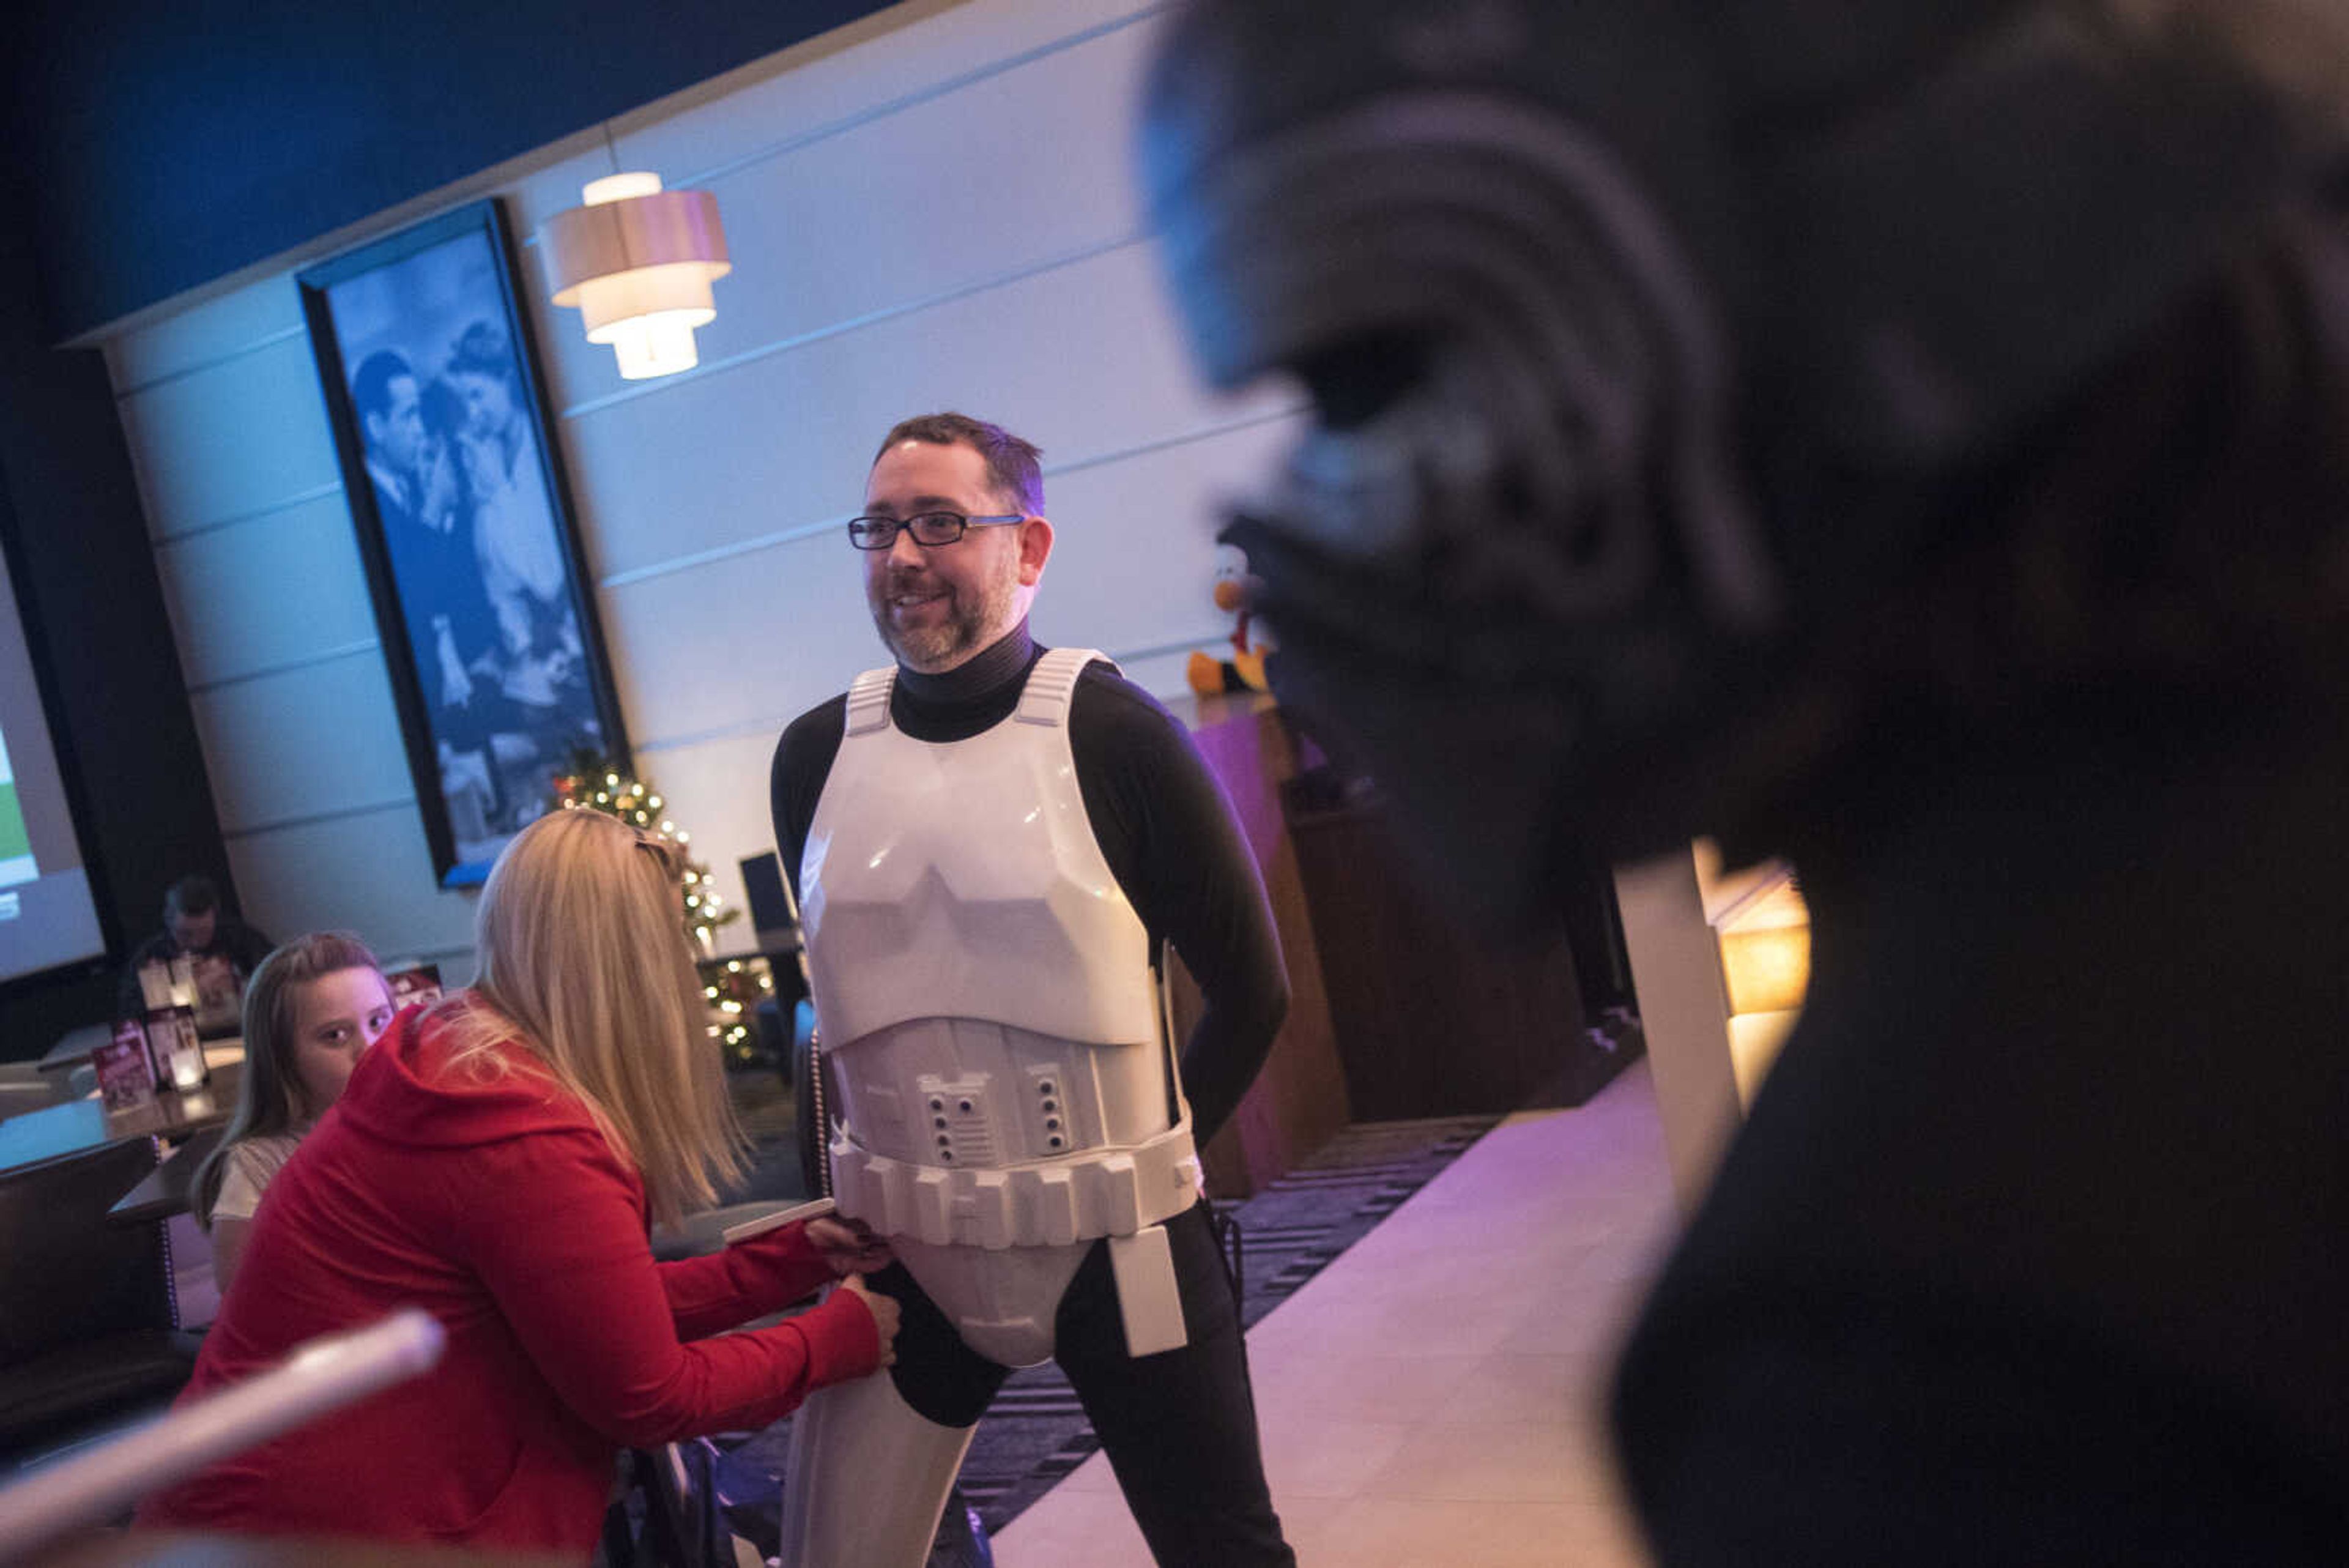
<point>974,695</point>
<point>975,677</point>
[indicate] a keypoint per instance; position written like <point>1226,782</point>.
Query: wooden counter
<point>1299,1098</point>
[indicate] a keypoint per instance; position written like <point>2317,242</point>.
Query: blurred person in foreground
<point>1913,439</point>
<point>497,1158</point>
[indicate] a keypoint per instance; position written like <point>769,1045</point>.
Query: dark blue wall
<point>170,142</point>
<point>97,630</point>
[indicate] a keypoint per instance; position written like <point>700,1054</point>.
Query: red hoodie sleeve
<point>734,1284</point>
<point>558,1240</point>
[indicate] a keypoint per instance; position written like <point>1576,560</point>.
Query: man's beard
<point>974,617</point>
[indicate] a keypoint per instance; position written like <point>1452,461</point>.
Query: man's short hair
<point>1015,467</point>
<point>371,388</point>
<point>190,896</point>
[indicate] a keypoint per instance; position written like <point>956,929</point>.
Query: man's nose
<point>903,552</point>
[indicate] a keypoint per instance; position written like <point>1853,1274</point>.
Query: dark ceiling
<point>164,143</point>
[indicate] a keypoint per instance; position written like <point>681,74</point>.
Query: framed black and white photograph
<point>464,523</point>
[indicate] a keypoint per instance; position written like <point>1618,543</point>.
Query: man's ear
<point>1035,548</point>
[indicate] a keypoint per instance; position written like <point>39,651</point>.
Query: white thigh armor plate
<point>985,992</point>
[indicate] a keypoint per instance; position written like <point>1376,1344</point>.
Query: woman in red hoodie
<point>497,1158</point>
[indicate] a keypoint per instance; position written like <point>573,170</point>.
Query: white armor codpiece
<point>984,991</point>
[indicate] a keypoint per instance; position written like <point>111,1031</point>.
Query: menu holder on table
<point>175,1048</point>
<point>126,1075</point>
<point>218,997</point>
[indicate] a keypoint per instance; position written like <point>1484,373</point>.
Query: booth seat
<point>89,1326</point>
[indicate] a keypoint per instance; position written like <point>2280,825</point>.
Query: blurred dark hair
<point>2165,556</point>
<point>190,896</point>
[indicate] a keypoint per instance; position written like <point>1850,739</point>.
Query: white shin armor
<point>869,1478</point>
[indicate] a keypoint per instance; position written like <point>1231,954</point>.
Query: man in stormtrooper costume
<point>990,841</point>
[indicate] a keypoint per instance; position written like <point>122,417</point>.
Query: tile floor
<point>1433,1397</point>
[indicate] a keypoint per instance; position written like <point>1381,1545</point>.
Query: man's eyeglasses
<point>929,529</point>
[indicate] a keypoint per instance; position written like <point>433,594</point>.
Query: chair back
<point>70,1275</point>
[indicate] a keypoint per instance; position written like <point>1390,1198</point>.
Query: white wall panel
<point>872,67</point>
<point>832,218</point>
<point>916,205</point>
<point>321,739</point>
<point>1132,562</point>
<point>736,642</point>
<point>1082,360</point>
<point>231,440</point>
<point>268,593</point>
<point>200,335</point>
<point>369,874</point>
<point>1161,674</point>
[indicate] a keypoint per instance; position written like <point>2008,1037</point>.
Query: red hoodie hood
<point>405,1091</point>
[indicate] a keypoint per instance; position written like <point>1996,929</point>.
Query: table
<point>85,1124</point>
<point>73,1047</point>
<point>169,1188</point>
<point>1299,1099</point>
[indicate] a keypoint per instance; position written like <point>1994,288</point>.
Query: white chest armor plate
<point>984,990</point>
<point>963,880</point>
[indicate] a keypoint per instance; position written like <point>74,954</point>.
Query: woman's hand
<point>850,1246</point>
<point>883,1308</point>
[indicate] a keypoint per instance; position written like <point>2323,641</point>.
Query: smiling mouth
<point>914,599</point>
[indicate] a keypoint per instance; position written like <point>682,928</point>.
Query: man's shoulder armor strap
<point>868,701</point>
<point>1052,684</point>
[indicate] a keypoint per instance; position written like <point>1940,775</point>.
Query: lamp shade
<point>638,262</point>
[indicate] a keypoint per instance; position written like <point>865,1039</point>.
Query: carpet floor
<point>1035,1433</point>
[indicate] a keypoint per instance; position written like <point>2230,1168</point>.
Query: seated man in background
<point>225,949</point>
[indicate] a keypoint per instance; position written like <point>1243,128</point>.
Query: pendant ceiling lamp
<point>638,262</point>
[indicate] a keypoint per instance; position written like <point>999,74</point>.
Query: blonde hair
<point>583,963</point>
